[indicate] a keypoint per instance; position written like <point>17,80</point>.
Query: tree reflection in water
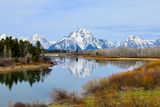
<point>8,79</point>
<point>124,64</point>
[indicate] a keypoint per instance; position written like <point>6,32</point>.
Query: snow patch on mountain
<point>36,37</point>
<point>23,38</point>
<point>52,42</point>
<point>3,36</point>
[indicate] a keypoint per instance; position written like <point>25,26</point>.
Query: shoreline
<point>109,58</point>
<point>24,67</point>
<point>120,58</point>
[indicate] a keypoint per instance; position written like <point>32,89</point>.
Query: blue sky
<point>110,19</point>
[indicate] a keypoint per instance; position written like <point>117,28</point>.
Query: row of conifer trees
<point>14,48</point>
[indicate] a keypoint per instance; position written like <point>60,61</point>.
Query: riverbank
<point>110,58</point>
<point>97,57</point>
<point>25,67</point>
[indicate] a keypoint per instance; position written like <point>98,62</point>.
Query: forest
<point>12,49</point>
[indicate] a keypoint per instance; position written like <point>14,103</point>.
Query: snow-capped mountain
<point>81,39</point>
<point>136,42</point>
<point>45,44</point>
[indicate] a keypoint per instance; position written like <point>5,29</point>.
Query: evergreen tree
<point>37,51</point>
<point>1,48</point>
<point>21,48</point>
<point>15,49</point>
<point>38,47</point>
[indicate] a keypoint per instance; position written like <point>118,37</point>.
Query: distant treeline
<point>56,51</point>
<point>14,48</point>
<point>118,52</point>
<point>127,52</point>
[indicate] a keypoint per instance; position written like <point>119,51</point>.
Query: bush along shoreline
<point>18,55</point>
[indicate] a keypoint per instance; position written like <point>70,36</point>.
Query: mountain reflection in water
<point>29,76</point>
<point>81,67</point>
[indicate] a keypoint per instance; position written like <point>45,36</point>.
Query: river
<point>70,74</point>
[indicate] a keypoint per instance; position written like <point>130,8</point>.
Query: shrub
<point>16,59</point>
<point>97,53</point>
<point>20,104</point>
<point>60,96</point>
<point>35,58</point>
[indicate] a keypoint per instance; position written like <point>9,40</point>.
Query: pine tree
<point>15,49</point>
<point>38,47</point>
<point>21,48</point>
<point>36,52</point>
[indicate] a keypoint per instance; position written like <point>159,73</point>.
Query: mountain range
<point>83,39</point>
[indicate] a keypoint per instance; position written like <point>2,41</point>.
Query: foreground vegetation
<point>136,88</point>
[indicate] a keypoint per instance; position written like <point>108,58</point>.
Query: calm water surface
<point>69,74</point>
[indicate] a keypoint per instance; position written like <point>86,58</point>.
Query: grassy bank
<point>112,98</point>
<point>24,67</point>
<point>136,88</point>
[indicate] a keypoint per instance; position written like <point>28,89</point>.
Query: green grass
<point>141,98</point>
